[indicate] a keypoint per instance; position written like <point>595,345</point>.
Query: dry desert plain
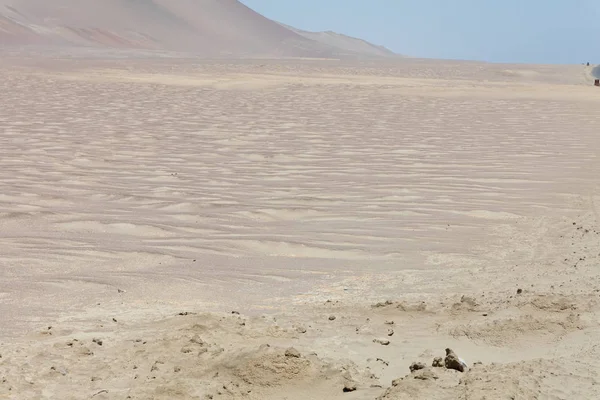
<point>297,229</point>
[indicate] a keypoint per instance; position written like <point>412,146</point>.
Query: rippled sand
<point>136,189</point>
<point>249,184</point>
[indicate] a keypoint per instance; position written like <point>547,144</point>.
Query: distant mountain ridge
<point>202,27</point>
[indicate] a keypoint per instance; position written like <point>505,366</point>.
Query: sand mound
<point>524,380</point>
<point>185,357</point>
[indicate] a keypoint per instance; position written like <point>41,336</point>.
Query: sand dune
<point>170,228</point>
<point>352,45</point>
<point>201,27</point>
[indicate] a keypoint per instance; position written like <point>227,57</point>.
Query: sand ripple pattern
<point>117,179</point>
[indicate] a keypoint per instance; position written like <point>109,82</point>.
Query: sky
<point>527,31</point>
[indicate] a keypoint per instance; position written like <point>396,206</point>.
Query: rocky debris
<point>301,329</point>
<point>438,362</point>
<point>292,352</point>
<point>397,382</point>
<point>156,364</point>
<point>389,322</point>
<point>383,342</point>
<point>235,312</point>
<point>519,291</point>
<point>383,361</point>
<point>467,303</point>
<point>349,386</point>
<point>97,341</point>
<point>197,340</point>
<point>453,362</point>
<point>416,366</point>
<point>332,317</point>
<point>383,304</point>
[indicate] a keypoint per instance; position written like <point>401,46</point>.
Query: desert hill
<point>202,27</point>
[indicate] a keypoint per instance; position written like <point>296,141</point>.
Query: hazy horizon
<point>548,32</point>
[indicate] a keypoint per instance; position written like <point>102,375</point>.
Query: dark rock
<point>453,362</point>
<point>416,366</point>
<point>349,387</point>
<point>383,342</point>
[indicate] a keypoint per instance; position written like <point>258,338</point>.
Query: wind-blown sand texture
<point>145,200</point>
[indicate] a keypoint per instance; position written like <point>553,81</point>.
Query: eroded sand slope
<point>222,28</point>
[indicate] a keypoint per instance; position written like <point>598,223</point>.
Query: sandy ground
<point>176,229</point>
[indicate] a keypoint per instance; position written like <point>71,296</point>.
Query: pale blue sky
<point>543,31</point>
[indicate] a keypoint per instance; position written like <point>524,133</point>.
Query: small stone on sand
<point>349,387</point>
<point>416,366</point>
<point>301,329</point>
<point>292,352</point>
<point>383,342</point>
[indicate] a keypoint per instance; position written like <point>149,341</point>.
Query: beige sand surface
<point>292,192</point>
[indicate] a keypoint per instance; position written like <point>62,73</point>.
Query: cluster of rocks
<point>451,361</point>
